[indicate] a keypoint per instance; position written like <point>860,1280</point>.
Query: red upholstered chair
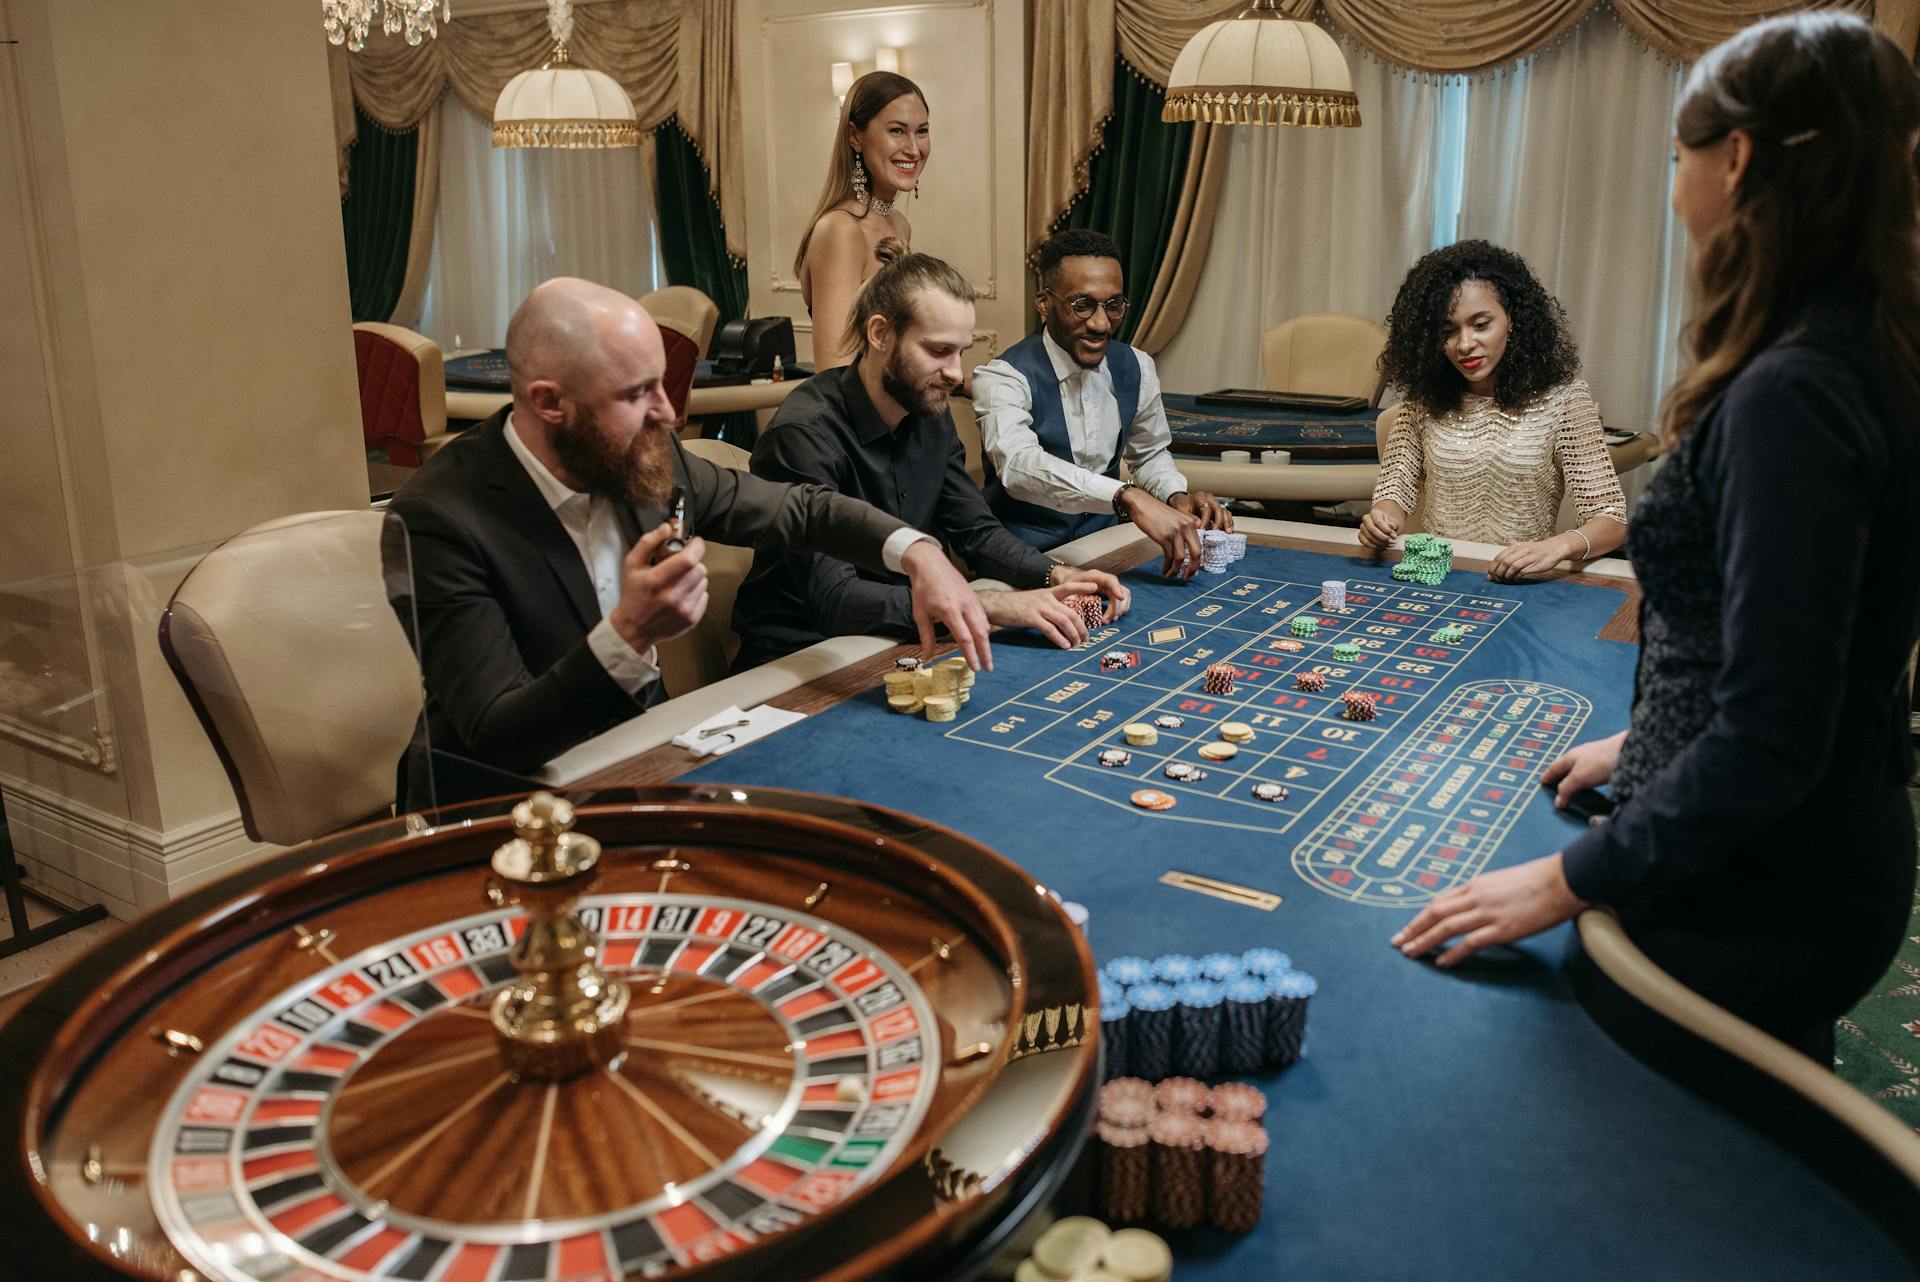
<point>683,353</point>
<point>403,392</point>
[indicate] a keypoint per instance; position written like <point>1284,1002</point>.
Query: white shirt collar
<point>555,491</point>
<point>1064,366</point>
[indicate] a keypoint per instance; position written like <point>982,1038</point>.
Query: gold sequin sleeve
<point>1402,462</point>
<point>1581,446</point>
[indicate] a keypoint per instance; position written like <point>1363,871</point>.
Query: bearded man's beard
<point>641,474</point>
<point>895,379</point>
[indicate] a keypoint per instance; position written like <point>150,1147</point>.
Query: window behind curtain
<point>512,217</point>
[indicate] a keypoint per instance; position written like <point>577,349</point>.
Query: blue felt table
<point>1309,435</point>
<point>1465,1124</point>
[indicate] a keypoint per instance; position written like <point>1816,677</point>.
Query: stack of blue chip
<point>1219,1014</point>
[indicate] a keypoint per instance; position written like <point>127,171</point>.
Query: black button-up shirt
<point>828,433</point>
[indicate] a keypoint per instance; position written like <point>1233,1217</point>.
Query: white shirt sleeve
<point>893,552</point>
<point>1002,401</point>
<point>629,669</point>
<point>1150,441</point>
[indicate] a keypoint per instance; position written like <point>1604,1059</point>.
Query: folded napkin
<point>731,728</point>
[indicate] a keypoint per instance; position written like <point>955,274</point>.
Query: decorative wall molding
<point>92,855</point>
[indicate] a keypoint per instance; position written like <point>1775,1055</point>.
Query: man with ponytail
<point>879,430</point>
<point>1761,847</point>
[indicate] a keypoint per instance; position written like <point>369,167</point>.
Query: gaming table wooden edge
<point>668,762</point>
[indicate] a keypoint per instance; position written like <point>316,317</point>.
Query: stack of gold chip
<point>1236,732</point>
<point>1082,1249</point>
<point>939,691</point>
<point>1140,734</point>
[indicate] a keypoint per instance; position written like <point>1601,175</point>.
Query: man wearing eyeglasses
<point>1062,408</point>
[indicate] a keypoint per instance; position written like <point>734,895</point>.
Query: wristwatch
<point>1120,500</point>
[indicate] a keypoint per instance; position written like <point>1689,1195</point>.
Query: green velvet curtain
<point>1134,184</point>
<point>377,215</point>
<point>693,241</point>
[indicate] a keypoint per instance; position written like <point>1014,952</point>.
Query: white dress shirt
<point>1002,399</point>
<point>590,522</point>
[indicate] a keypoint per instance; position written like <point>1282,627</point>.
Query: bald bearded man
<point>542,580</point>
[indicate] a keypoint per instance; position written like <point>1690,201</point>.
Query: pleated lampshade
<point>564,106</point>
<point>1262,69</point>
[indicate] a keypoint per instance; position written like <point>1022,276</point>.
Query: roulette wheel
<point>697,1032</point>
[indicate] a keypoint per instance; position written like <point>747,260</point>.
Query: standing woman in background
<point>879,152</point>
<point>1761,846</point>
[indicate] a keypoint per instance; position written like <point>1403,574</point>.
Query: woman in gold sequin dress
<point>1496,426</point>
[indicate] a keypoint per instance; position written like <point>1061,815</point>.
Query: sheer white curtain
<point>1563,158</point>
<point>510,218</point>
<point>1311,220</point>
<point>1568,164</point>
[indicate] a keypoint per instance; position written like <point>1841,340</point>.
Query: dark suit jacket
<point>504,601</point>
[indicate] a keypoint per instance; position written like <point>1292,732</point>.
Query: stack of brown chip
<point>1218,678</point>
<point>1126,1172</point>
<point>1090,606</point>
<point>1181,1095</point>
<point>1179,1178</point>
<point>1236,1154</point>
<point>1238,1102</point>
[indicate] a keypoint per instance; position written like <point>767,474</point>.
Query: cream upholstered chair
<point>696,314</point>
<point>704,653</point>
<point>1329,353</point>
<point>403,392</point>
<point>966,425</point>
<point>286,645</point>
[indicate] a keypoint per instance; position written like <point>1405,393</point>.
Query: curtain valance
<point>673,57</point>
<point>1075,41</point>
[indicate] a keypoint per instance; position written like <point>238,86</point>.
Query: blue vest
<point>1042,527</point>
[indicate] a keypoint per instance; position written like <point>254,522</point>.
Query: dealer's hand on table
<point>1045,610</point>
<point>1586,765</point>
<point>659,602</point>
<point>1074,579</point>
<point>1380,526</point>
<point>1494,908</point>
<point>1177,532</point>
<point>942,596</point>
<point>1210,512</point>
<point>1524,559</point>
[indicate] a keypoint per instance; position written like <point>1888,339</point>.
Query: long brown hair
<point>868,95</point>
<point>893,291</point>
<point>1828,200</point>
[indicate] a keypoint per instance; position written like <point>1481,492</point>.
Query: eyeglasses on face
<point>1082,306</point>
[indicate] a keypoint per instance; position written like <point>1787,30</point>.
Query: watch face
<point>301,1075</point>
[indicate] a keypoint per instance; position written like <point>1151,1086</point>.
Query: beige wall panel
<point>968,57</point>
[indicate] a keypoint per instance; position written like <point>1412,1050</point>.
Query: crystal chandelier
<point>347,21</point>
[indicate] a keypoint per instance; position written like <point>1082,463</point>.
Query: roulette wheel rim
<point>61,1035</point>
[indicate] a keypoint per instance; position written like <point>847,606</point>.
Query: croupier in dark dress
<point>1761,850</point>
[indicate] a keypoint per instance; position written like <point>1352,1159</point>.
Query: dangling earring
<point>859,179</point>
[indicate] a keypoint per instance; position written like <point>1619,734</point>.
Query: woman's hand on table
<point>1494,908</point>
<point>1522,560</point>
<point>1587,765</point>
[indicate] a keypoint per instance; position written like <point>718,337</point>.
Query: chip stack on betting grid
<point>1218,550</point>
<point>1425,559</point>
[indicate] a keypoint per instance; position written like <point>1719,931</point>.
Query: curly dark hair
<point>1540,354</point>
<point>1075,242</point>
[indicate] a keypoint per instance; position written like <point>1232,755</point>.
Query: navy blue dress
<point>1762,850</point>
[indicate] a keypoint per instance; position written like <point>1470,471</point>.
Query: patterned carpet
<point>1877,1044</point>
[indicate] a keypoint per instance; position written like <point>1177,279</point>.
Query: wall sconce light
<point>842,79</point>
<point>885,59</point>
